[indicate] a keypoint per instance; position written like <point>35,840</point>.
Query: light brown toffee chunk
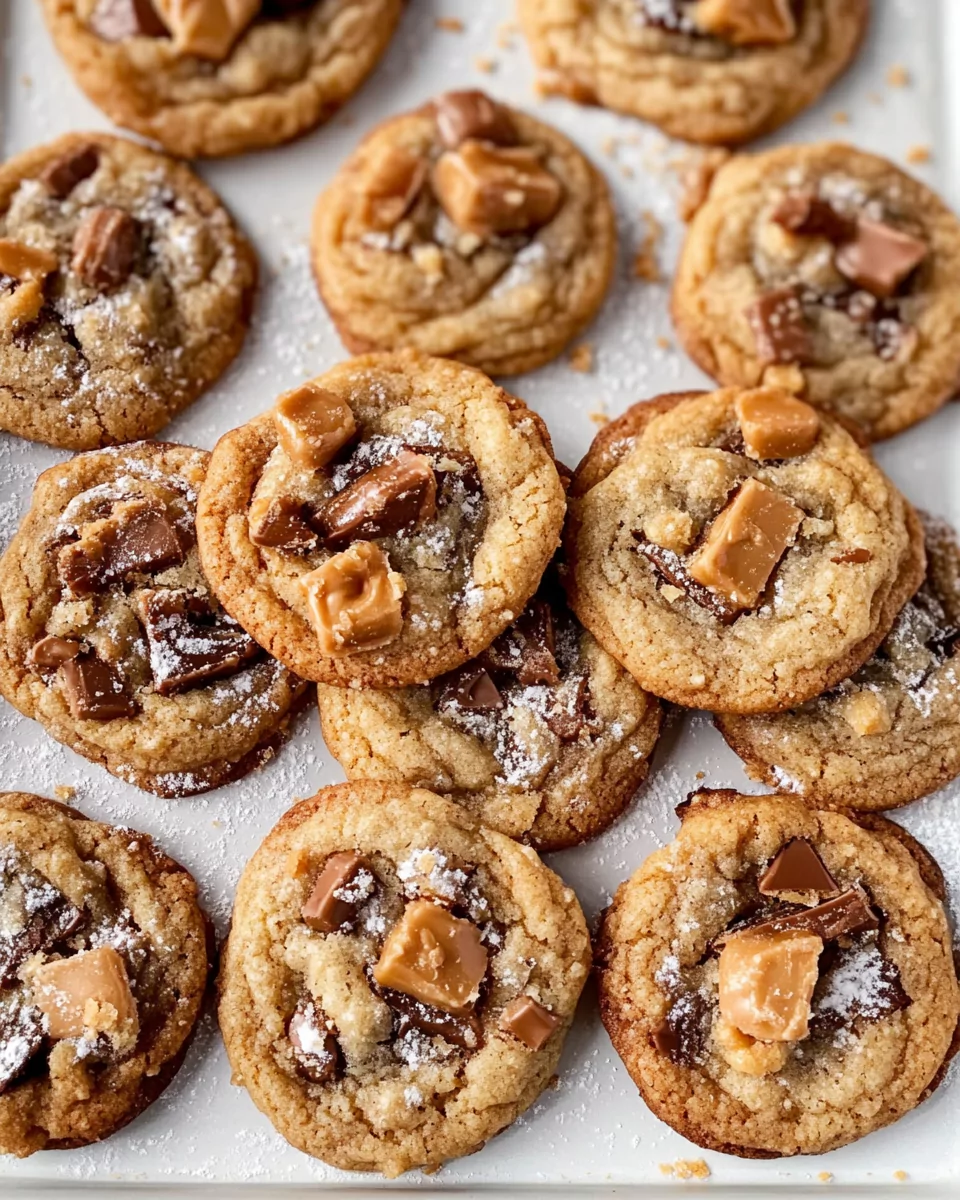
<point>112,639</point>
<point>752,1034</point>
<point>832,267</point>
<point>135,296</point>
<point>103,967</point>
<point>213,77</point>
<point>433,1015</point>
<point>465,229</point>
<point>654,487</point>
<point>715,71</point>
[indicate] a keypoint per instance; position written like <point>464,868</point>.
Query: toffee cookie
<point>830,271</point>
<point>125,291</point>
<point>384,523</point>
<point>544,737</point>
<point>465,229</point>
<point>104,959</point>
<point>780,980</point>
<point>398,979</point>
<point>110,636</point>
<point>213,77</point>
<point>889,735</point>
<point>736,550</point>
<point>715,71</point>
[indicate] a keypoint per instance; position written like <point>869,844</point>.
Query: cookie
<point>736,550</point>
<point>125,291</point>
<point>207,78</point>
<point>544,737</point>
<point>780,980</point>
<point>830,271</point>
<point>111,638</point>
<point>398,979</point>
<point>714,71</point>
<point>104,956</point>
<point>890,734</point>
<point>384,523</point>
<point>465,229</point>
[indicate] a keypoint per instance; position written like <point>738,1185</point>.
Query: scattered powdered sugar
<point>857,985</point>
<point>429,870</point>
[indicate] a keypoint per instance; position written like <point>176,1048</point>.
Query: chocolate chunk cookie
<point>544,737</point>
<point>736,550</point>
<point>831,272</point>
<point>111,638</point>
<point>398,980</point>
<point>125,291</point>
<point>717,71</point>
<point>891,733</point>
<point>780,980</point>
<point>465,229</point>
<point>104,958</point>
<point>384,523</point>
<point>213,77</point>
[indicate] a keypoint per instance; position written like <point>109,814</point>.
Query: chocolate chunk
<point>36,914</point>
<point>116,20</point>
<point>94,690</point>
<point>469,687</point>
<point>570,711</point>
<point>51,652</point>
<point>526,648</point>
<point>797,867</point>
<point>682,1034</point>
<point>395,496</point>
<point>21,1037</point>
<point>315,1047</point>
<point>880,258</point>
<point>62,175</point>
<point>842,916</point>
<point>857,984</point>
<point>190,644</point>
<point>136,539</point>
<point>463,1030</point>
<point>472,114</point>
<point>105,247</point>
<point>279,524</point>
<point>805,214</point>
<point>347,879</point>
<point>281,8</point>
<point>856,555</point>
<point>529,1021</point>
<point>671,567</point>
<point>780,327</point>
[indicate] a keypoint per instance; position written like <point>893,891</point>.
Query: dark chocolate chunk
<point>468,687</point>
<point>62,175</point>
<point>526,649</point>
<point>116,20</point>
<point>855,555</point>
<point>570,711</point>
<point>36,915</point>
<point>845,915</point>
<point>315,1047</point>
<point>463,1030</point>
<point>21,1037</point>
<point>879,258</point>
<point>671,567</point>
<point>797,868</point>
<point>396,496</point>
<point>282,8</point>
<point>347,879</point>
<point>94,689</point>
<point>190,644</point>
<point>51,652</point>
<point>780,327</point>
<point>137,538</point>
<point>472,114</point>
<point>805,214</point>
<point>682,1034</point>
<point>105,247</point>
<point>857,983</point>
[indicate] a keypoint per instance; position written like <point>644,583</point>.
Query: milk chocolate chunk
<point>137,538</point>
<point>459,1029</point>
<point>855,555</point>
<point>671,566</point>
<point>21,1037</point>
<point>36,915</point>
<point>806,215</point>
<point>89,991</point>
<point>797,867</point>
<point>746,22</point>
<point>394,497</point>
<point>775,424</point>
<point>472,114</point>
<point>879,258</point>
<point>490,190</point>
<point>468,687</point>
<point>780,329</point>
<point>766,983</point>
<point>312,424</point>
<point>682,1034</point>
<point>845,915</point>
<point>437,958</point>
<point>315,1047</point>
<point>50,652</point>
<point>207,28</point>
<point>526,648</point>
<point>529,1021</point>
<point>190,644</point>
<point>392,179</point>
<point>570,710</point>
<point>346,879</point>
<point>355,600</point>
<point>745,543</point>
<point>62,175</point>
<point>94,690</point>
<point>117,20</point>
<point>105,247</point>
<point>277,522</point>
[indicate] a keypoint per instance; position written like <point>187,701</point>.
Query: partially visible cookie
<point>111,638</point>
<point>715,71</point>
<point>891,733</point>
<point>780,980</point>
<point>465,229</point>
<point>384,523</point>
<point>205,78</point>
<point>398,979</point>
<point>830,271</point>
<point>544,737</point>
<point>104,955</point>
<point>736,550</point>
<point>125,291</point>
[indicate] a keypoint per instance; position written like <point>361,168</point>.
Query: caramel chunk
<point>62,175</point>
<point>315,1047</point>
<point>526,648</point>
<point>346,879</point>
<point>50,652</point>
<point>462,116</point>
<point>392,179</point>
<point>745,543</point>
<point>117,20</point>
<point>766,983</point>
<point>434,957</point>
<point>797,868</point>
<point>879,258</point>
<point>746,22</point>
<point>489,190</point>
<point>207,28</point>
<point>468,687</point>
<point>312,425</point>
<point>528,1021</point>
<point>137,538</point>
<point>21,1037</point>
<point>277,522</point>
<point>89,991</point>
<point>867,714</point>
<point>36,915</point>
<point>396,496</point>
<point>94,690</point>
<point>22,306</point>
<point>23,262</point>
<point>190,644</point>
<point>806,215</point>
<point>105,247</point>
<point>779,327</point>
<point>355,600</point>
<point>775,424</point>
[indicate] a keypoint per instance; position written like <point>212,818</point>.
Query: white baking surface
<point>593,1130</point>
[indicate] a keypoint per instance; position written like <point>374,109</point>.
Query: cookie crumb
<point>505,35</point>
<point>664,343</point>
<point>700,775</point>
<point>670,593</point>
<point>900,1176</point>
<point>841,117</point>
<point>645,264</point>
<point>581,358</point>
<point>26,80</point>
<point>64,792</point>
<point>599,418</point>
<point>919,154</point>
<point>609,146</point>
<point>825,1177</point>
<point>686,1168</point>
<point>450,24</point>
<point>898,76</point>
<point>486,65</point>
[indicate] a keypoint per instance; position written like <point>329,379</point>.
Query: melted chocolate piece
<point>316,1050</point>
<point>65,172</point>
<point>333,903</point>
<point>117,20</point>
<point>94,689</point>
<point>857,984</point>
<point>468,687</point>
<point>805,214</point>
<point>105,247</point>
<point>21,1037</point>
<point>39,913</point>
<point>526,649</point>
<point>390,499</point>
<point>571,711</point>
<point>190,644</point>
<point>845,915</point>
<point>671,567</point>
<point>51,652</point>
<point>137,539</point>
<point>682,1034</point>
<point>780,327</point>
<point>797,868</point>
<point>465,1031</point>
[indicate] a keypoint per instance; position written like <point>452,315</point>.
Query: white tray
<point>592,1134</point>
